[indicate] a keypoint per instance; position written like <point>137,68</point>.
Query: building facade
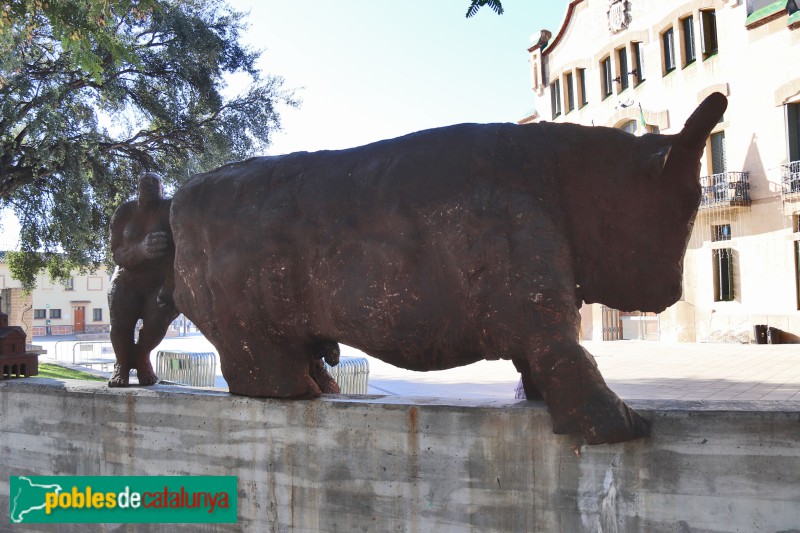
<point>644,66</point>
<point>53,308</point>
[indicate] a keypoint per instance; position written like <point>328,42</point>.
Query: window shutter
<point>718,163</point>
<point>723,263</point>
<point>793,131</point>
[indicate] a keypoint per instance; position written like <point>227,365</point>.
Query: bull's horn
<point>705,117</point>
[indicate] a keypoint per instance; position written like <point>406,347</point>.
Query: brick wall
<point>18,305</point>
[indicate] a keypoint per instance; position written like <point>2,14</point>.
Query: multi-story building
<point>53,308</point>
<point>643,66</point>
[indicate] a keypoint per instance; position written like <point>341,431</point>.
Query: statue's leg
<point>532,392</point>
<point>124,304</point>
<point>322,377</point>
<point>255,365</point>
<point>156,319</point>
<point>577,395</point>
<point>329,352</point>
<point>540,326</point>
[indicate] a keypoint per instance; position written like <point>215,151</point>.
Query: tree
<point>495,5</point>
<point>92,93</point>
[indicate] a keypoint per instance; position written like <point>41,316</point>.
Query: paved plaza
<point>634,369</point>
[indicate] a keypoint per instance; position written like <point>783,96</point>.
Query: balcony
<point>726,189</point>
<point>790,179</point>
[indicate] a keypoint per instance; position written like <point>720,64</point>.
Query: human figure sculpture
<point>441,248</point>
<point>142,284</point>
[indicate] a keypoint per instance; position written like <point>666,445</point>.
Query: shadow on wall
<point>755,166</point>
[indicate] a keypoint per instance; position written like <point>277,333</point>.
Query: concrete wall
<point>400,464</point>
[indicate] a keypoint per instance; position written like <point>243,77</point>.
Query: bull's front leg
<point>577,395</point>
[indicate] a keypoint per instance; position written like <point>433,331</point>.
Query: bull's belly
<point>419,293</point>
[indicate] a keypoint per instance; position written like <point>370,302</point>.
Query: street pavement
<point>633,369</point>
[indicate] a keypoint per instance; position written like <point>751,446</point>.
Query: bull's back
<point>373,247</point>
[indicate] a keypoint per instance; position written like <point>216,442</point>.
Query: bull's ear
<point>705,117</point>
<point>655,162</point>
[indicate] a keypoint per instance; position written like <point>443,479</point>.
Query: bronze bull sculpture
<point>438,249</point>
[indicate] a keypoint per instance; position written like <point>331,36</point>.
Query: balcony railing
<point>726,189</point>
<point>790,179</point>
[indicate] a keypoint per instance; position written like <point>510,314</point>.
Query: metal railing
<point>352,374</point>
<point>790,178</point>
<point>197,369</point>
<point>89,353</point>
<point>725,189</point>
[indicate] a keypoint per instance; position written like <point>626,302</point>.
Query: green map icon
<point>122,499</point>
<point>28,498</point>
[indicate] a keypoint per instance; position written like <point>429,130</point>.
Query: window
<point>762,11</point>
<point>55,313</point>
<point>629,126</point>
<point>793,131</point>
<point>638,62</point>
<point>97,315</point>
<point>796,229</point>
<point>555,97</point>
<point>708,32</point>
<point>582,87</point>
<point>718,159</point>
<point>668,43</point>
<point>39,313</point>
<point>69,284</point>
<point>721,232</point>
<point>797,271</point>
<point>622,64</point>
<point>568,81</point>
<point>723,275</point>
<point>689,55</point>
<point>605,70</point>
<point>94,283</point>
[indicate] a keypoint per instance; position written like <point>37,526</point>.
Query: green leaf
<point>94,93</point>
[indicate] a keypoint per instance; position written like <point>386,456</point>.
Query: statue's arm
<point>126,254</point>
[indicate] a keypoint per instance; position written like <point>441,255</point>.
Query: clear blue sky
<point>370,69</point>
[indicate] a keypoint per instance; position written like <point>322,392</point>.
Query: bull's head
<point>631,203</point>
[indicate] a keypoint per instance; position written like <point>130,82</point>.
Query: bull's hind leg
<point>262,367</point>
<point>329,352</point>
<point>322,378</point>
<point>532,392</point>
<point>578,397</point>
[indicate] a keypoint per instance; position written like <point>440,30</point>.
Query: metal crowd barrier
<point>199,370</point>
<point>187,368</point>
<point>88,353</point>
<point>352,374</point>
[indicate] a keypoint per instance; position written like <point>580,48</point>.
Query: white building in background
<point>52,308</point>
<point>643,66</point>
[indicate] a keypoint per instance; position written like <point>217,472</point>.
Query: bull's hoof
<point>608,424</point>
<point>323,379</point>
<point>119,378</point>
<point>564,424</point>
<point>602,419</point>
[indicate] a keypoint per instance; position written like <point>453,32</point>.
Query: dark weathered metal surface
<point>141,288</point>
<point>438,249</point>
